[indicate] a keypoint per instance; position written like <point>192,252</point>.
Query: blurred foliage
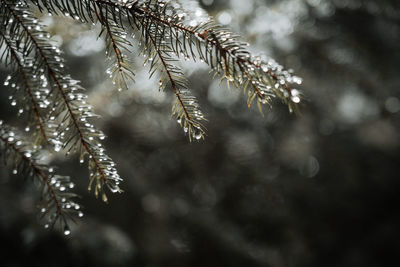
<point>319,189</point>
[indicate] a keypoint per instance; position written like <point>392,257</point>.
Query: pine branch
<point>225,55</point>
<point>120,71</point>
<point>212,43</point>
<point>57,206</point>
<point>69,106</point>
<point>58,104</point>
<point>185,108</point>
<point>22,75</point>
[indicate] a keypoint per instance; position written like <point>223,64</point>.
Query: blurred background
<point>318,189</point>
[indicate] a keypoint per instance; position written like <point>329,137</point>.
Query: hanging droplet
<point>295,95</point>
<point>27,129</point>
<point>13,103</point>
<point>67,231</point>
<point>105,199</point>
<point>295,99</point>
<point>262,100</point>
<point>15,171</point>
<point>80,214</point>
<point>198,135</point>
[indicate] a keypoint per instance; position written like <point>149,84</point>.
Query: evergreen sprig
<point>59,112</point>
<point>185,108</point>
<point>57,204</point>
<point>68,113</point>
<point>120,70</point>
<point>23,74</point>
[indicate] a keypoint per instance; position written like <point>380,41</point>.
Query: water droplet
<point>80,214</point>
<point>27,129</point>
<point>198,135</point>
<point>264,68</point>
<point>295,99</point>
<point>15,171</point>
<point>67,231</point>
<point>294,92</point>
<point>262,100</point>
<point>13,103</point>
<point>295,95</point>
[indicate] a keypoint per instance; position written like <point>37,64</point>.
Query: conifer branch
<point>23,76</point>
<point>69,104</point>
<point>58,104</point>
<point>185,107</point>
<point>212,43</point>
<point>121,70</point>
<point>56,206</point>
<point>225,55</point>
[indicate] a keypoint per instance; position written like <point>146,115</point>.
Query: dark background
<point>319,189</point>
